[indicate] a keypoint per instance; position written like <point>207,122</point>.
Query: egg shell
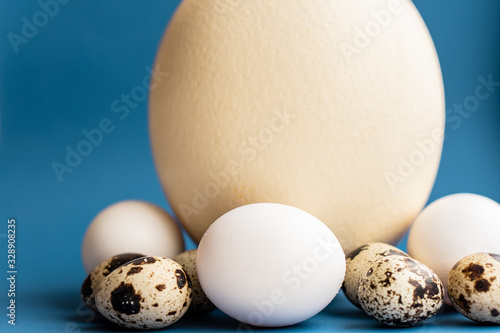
<point>474,287</point>
<point>359,261</point>
<point>130,226</point>
<point>400,291</point>
<point>270,265</point>
<point>146,293</point>
<point>452,228</point>
<point>276,101</point>
<point>94,279</point>
<point>200,302</point>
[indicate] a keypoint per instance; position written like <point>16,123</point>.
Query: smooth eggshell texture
<point>146,293</point>
<point>474,287</point>
<point>130,226</point>
<point>359,261</point>
<point>400,291</point>
<point>333,107</point>
<point>270,265</point>
<point>452,228</point>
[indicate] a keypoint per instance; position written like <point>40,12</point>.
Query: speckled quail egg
<point>359,261</point>
<point>400,291</point>
<point>200,302</point>
<point>146,293</point>
<point>452,228</point>
<point>94,279</point>
<point>474,287</point>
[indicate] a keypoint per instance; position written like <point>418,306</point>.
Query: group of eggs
<point>400,291</point>
<point>274,265</point>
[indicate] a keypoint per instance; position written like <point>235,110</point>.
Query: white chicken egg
<point>270,265</point>
<point>130,226</point>
<point>452,228</point>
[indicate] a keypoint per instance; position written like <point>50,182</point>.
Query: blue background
<point>63,81</point>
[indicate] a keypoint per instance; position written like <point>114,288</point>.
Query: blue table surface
<point>64,77</point>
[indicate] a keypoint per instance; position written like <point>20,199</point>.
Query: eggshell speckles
<point>146,293</point>
<point>200,302</point>
<point>474,287</point>
<point>94,279</point>
<point>359,261</point>
<point>399,291</point>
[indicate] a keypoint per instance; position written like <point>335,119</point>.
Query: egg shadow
<point>343,308</point>
<point>221,322</point>
<point>347,312</point>
<point>63,299</point>
<point>452,319</point>
<point>60,299</point>
<point>215,320</point>
<point>65,304</point>
<point>68,306</point>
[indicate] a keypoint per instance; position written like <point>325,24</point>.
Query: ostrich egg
<point>335,107</point>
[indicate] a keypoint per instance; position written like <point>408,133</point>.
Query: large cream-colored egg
<point>334,107</point>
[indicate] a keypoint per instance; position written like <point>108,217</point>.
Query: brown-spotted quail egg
<point>359,261</point>
<point>94,279</point>
<point>474,287</point>
<point>146,293</point>
<point>452,228</point>
<point>200,302</point>
<point>400,291</point>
